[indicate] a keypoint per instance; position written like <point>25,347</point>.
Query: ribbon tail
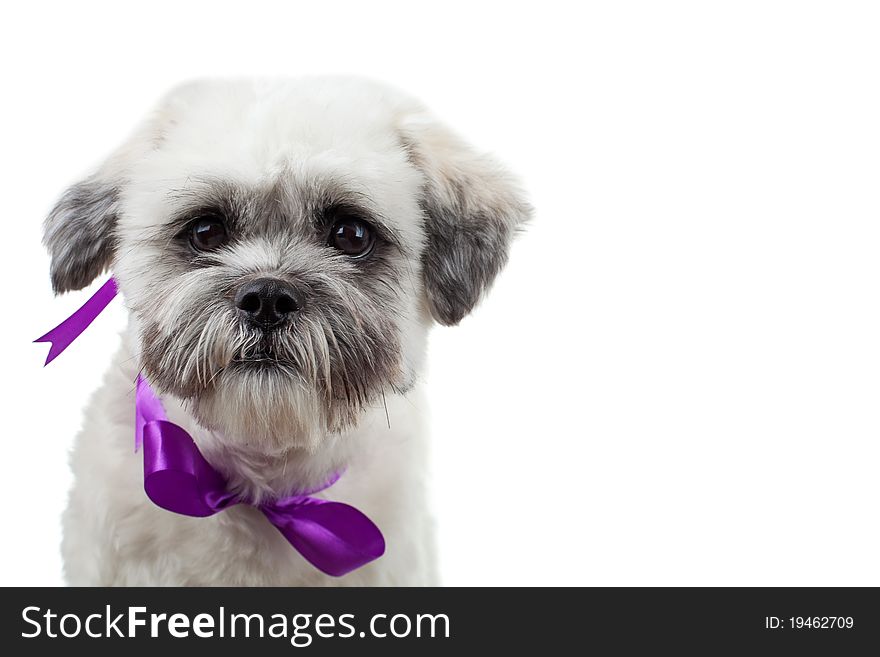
<point>69,330</point>
<point>335,538</point>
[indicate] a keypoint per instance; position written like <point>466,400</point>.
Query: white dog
<point>283,248</point>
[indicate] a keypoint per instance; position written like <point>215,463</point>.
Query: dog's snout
<point>267,301</point>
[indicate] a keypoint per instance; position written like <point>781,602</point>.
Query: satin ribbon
<point>67,331</point>
<point>334,537</point>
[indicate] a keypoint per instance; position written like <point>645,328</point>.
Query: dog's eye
<point>208,233</point>
<point>353,237</point>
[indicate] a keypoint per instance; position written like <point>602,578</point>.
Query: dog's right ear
<point>79,233</point>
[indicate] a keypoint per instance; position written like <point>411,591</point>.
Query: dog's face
<point>283,247</point>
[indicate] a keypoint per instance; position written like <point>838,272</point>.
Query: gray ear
<point>472,210</point>
<point>79,234</point>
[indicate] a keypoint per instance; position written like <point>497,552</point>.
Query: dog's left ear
<point>472,210</point>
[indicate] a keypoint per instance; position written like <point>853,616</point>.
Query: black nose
<point>267,301</point>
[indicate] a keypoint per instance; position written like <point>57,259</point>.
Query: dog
<point>283,248</point>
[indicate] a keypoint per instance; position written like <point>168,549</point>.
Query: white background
<point>676,380</point>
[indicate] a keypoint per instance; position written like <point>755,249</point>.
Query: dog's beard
<point>288,387</point>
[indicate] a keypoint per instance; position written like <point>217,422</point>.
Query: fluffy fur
<point>336,386</point>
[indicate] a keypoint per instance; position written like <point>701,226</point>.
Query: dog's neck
<point>258,470</point>
<point>258,473</point>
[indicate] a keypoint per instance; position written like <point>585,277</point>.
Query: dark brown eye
<point>208,233</point>
<point>353,237</point>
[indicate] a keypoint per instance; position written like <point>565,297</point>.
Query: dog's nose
<point>267,301</point>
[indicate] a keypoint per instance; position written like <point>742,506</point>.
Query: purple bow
<point>335,538</point>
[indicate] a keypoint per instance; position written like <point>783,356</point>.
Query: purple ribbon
<point>67,331</point>
<point>335,538</point>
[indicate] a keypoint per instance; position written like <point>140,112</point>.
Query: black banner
<point>438,621</point>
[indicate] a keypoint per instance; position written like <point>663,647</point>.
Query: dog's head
<point>283,246</point>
